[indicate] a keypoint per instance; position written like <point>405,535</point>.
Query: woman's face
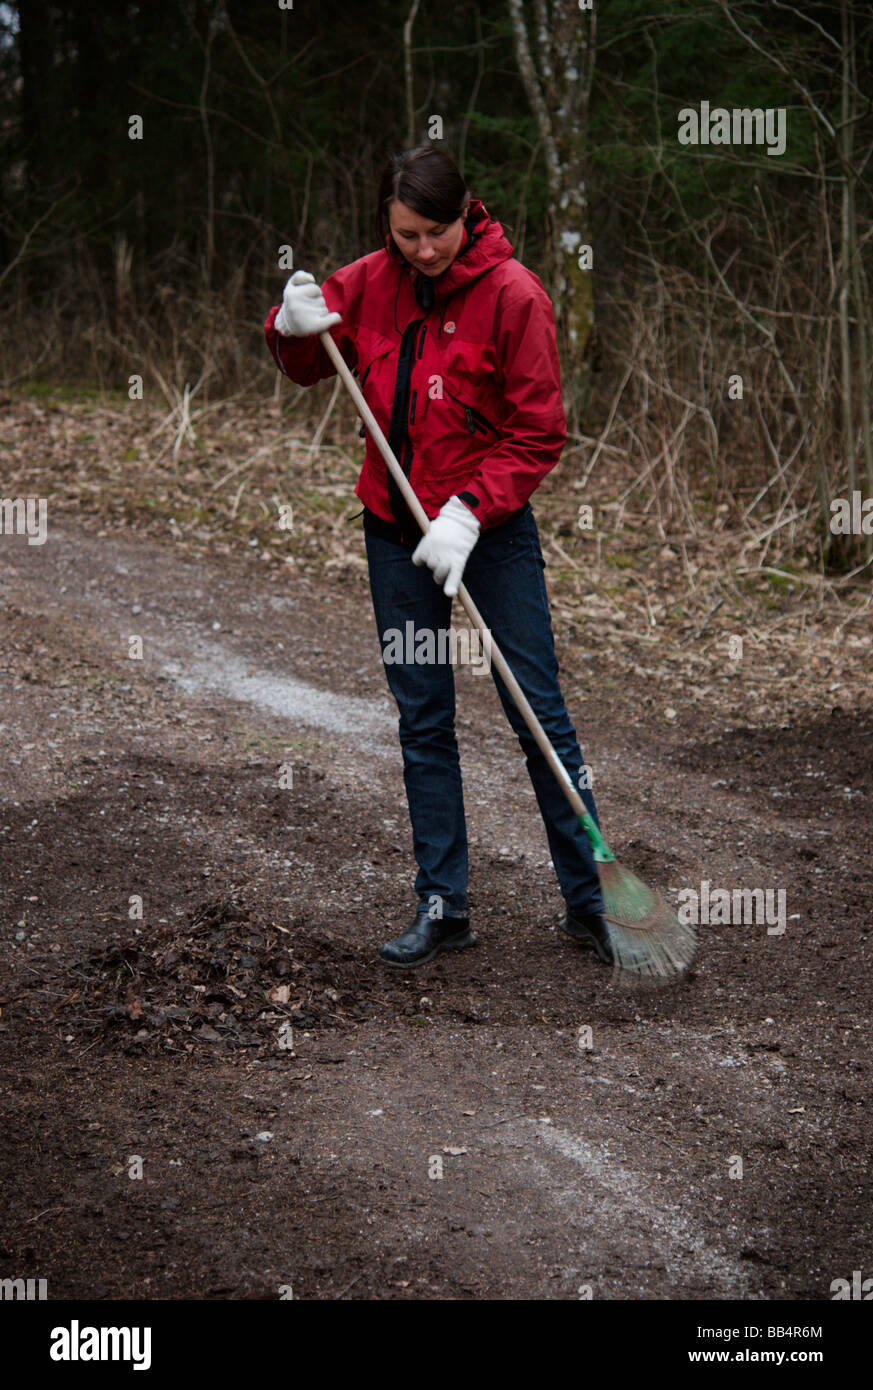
<point>429,246</point>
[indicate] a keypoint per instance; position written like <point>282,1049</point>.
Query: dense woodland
<point>265,125</point>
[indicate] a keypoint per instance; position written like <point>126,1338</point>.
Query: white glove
<point>303,310</point>
<point>447,545</point>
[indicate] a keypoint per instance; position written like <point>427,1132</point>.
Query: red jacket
<point>468,391</point>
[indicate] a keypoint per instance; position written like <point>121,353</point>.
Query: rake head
<point>648,941</point>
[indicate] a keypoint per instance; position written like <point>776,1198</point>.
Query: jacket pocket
<point>475,420</point>
<point>362,432</point>
<point>379,369</point>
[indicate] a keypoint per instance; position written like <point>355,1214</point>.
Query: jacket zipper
<point>412,408</point>
<point>474,417</point>
<point>402,413</point>
<point>362,432</point>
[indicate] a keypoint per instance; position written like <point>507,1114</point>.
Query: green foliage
<point>653,65</point>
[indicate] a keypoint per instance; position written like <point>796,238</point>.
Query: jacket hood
<point>484,247</point>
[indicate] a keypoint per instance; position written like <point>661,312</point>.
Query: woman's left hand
<point>446,547</point>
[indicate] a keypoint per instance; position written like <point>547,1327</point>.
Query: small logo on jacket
<point>450,326</point>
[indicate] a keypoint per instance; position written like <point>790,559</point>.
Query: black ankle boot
<point>589,929</point>
<point>426,938</point>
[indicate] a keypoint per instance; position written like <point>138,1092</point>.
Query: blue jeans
<point>504,575</point>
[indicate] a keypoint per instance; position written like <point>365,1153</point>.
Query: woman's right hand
<point>303,309</point>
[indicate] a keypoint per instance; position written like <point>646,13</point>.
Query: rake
<point>645,934</point>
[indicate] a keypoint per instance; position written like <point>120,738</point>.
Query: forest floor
<point>290,1100</point>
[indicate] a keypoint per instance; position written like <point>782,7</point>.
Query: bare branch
<point>408,72</point>
<point>31,231</point>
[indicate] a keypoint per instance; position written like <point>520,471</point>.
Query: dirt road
<point>306,1118</point>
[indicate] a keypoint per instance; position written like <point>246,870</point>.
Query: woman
<point>454,343</point>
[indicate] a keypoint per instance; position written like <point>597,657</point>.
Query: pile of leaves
<point>222,978</point>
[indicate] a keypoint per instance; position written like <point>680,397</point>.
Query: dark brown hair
<point>426,180</point>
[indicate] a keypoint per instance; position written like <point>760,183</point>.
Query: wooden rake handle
<point>490,646</point>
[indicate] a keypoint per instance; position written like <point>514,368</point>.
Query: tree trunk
<point>858,283</point>
<point>557,73</point>
<point>36,46</point>
<point>846,263</point>
<point>409,74</point>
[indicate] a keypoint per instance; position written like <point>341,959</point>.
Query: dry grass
<point>656,591</point>
<point>707,511</point>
